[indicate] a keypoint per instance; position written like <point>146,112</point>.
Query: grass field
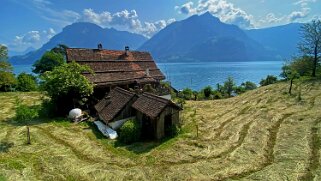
<point>263,134</point>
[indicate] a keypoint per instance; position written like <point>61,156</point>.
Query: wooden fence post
<point>28,136</point>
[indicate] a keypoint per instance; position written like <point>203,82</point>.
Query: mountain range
<point>84,35</point>
<point>197,38</point>
<point>206,38</point>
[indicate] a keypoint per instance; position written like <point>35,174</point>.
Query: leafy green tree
<point>270,79</point>
<point>311,42</point>
<point>289,74</point>
<point>303,65</point>
<point>229,86</point>
<point>207,91</point>
<point>7,78</point>
<point>186,93</point>
<point>26,82</point>
<point>3,53</point>
<point>248,85</point>
<point>66,86</point>
<point>60,49</point>
<point>48,62</point>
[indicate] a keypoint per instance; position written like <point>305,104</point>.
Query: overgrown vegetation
<point>7,78</point>
<point>228,89</point>
<point>67,87</point>
<point>51,59</point>
<point>129,132</point>
<point>26,82</point>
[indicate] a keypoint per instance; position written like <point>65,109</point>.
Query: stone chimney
<point>126,50</point>
<point>100,46</point>
<point>147,72</point>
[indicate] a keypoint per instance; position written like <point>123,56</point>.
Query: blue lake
<point>199,75</point>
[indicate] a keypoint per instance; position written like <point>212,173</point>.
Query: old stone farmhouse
<point>117,72</point>
<point>125,69</point>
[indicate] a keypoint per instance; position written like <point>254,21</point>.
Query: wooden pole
<point>28,136</point>
<point>197,130</point>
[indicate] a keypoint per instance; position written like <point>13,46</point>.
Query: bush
<point>207,91</point>
<point>129,132</point>
<point>26,82</point>
<point>172,131</point>
<point>217,95</point>
<point>26,113</point>
<point>66,86</point>
<point>187,94</point>
<point>270,79</point>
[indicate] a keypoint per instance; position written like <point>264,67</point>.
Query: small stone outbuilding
<point>156,115</point>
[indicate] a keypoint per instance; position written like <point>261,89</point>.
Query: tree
<point>245,86</point>
<point>248,85</point>
<point>311,43</point>
<point>303,65</point>
<point>66,86</point>
<point>270,79</point>
<point>48,62</point>
<point>26,82</point>
<point>229,86</point>
<point>289,74</point>
<point>60,49</point>
<point>186,93</point>
<point>7,78</point>
<point>3,53</point>
<point>207,91</point>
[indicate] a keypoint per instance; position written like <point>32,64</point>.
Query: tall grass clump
<point>26,113</point>
<point>130,132</point>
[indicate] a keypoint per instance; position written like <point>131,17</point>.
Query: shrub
<point>26,113</point>
<point>149,88</point>
<point>172,131</point>
<point>26,82</point>
<point>66,86</point>
<point>129,132</point>
<point>187,94</point>
<point>217,95</point>
<point>270,79</point>
<point>207,91</point>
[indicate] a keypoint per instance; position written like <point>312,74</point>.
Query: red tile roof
<point>152,105</point>
<point>115,67</point>
<point>109,107</point>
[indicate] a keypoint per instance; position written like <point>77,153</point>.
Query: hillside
<point>84,35</point>
<point>263,134</point>
<point>205,38</point>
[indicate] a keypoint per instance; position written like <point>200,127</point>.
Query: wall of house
<point>160,131</point>
<point>159,123</point>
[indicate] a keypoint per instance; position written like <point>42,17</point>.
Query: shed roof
<point>113,67</point>
<point>109,107</point>
<point>152,105</point>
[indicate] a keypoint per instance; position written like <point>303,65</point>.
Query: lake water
<point>199,75</point>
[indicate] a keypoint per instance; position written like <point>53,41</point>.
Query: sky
<point>31,23</point>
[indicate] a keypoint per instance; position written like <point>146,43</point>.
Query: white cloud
<point>295,15</point>
<point>33,39</point>
<point>125,20</point>
<point>224,10</point>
